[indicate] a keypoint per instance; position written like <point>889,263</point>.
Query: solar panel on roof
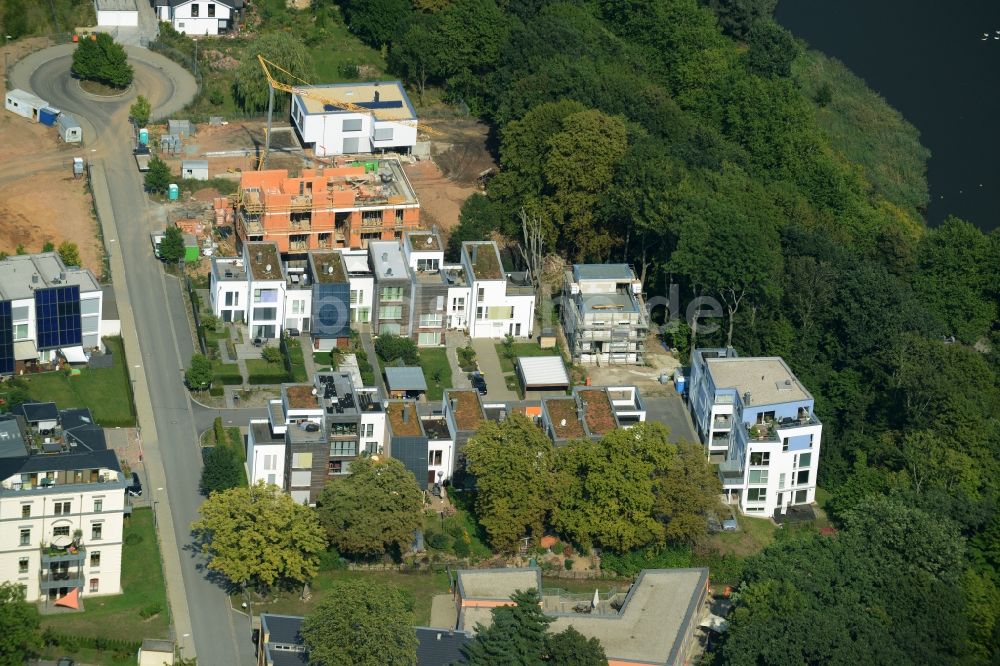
<point>391,104</point>
<point>329,107</point>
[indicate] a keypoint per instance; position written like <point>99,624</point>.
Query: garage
<point>542,373</point>
<point>117,13</point>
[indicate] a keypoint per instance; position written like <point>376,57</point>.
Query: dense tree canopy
<point>376,509</point>
<point>19,637</point>
<point>250,87</point>
<point>102,60</point>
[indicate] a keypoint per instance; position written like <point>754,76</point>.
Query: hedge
<point>227,374</point>
<point>276,376</point>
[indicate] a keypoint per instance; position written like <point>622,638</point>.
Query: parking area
<point>671,411</point>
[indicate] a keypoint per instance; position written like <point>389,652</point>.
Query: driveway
<point>157,340</point>
<point>489,365</point>
<point>673,413</point>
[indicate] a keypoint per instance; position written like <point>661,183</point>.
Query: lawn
<point>260,371</point>
<point>437,371</point>
<point>106,391</point>
<point>118,617</point>
<point>755,535</point>
<point>522,349</point>
<point>420,586</point>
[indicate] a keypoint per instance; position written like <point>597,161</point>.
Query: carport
<point>542,373</point>
<point>405,382</point>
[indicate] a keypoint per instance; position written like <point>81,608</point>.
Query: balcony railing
<point>731,473</point>
<point>49,579</point>
<point>723,422</point>
<point>52,554</point>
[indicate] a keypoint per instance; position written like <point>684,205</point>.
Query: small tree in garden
<point>140,111</point>
<point>158,177</point>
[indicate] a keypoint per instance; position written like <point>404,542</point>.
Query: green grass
<point>106,391</point>
<point>421,587</point>
<point>226,373</point>
<point>117,617</point>
<point>755,535</point>
<point>522,349</point>
<point>323,359</point>
<point>435,363</point>
<point>259,368</point>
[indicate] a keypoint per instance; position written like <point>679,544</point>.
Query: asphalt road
<point>220,636</point>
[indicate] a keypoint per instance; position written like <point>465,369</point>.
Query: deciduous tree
<point>686,490</point>
<point>102,60</point>
<point>172,245</point>
<point>259,535</point>
<point>140,111</point>
<point>250,86</point>
<point>157,178</point>
<point>512,462</point>
<point>223,470</point>
<point>19,637</point>
<point>571,648</point>
<point>376,509</point>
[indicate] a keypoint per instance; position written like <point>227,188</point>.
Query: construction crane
<point>305,91</point>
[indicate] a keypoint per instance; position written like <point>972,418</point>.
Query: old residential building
<point>603,314</point>
<point>62,504</point>
<point>755,416</point>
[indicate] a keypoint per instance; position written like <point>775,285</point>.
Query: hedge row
<point>276,376</point>
<point>227,374</point>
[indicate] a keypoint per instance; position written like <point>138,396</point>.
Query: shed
<point>194,169</point>
<point>540,373</point>
<point>24,104</point>
<point>405,382</point>
<point>180,128</point>
<point>117,13</point>
<point>69,129</point>
<point>191,251</point>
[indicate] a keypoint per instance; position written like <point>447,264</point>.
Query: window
<point>757,495</point>
<point>367,429</point>
<point>265,295</point>
<point>302,460</point>
<point>383,134</point>
<point>760,458</point>
<point>391,294</point>
<point>482,293</point>
<point>758,476</point>
<point>439,303</point>
<point>390,312</point>
<point>501,312</point>
<point>265,314</point>
<point>389,329</point>
<point>302,478</point>
<point>26,511</point>
<point>272,480</point>
<point>765,417</point>
<point>95,582</point>
<point>352,125</point>
<point>270,461</point>
<point>95,558</point>
<point>434,458</point>
<point>399,215</point>
<point>96,532</point>
<point>781,481</point>
<point>784,443</point>
<point>805,459</point>
<point>194,10</point>
<point>62,508</point>
<point>211,10</point>
<point>430,321</point>
<point>60,530</point>
<point>298,307</point>
<point>802,477</point>
<point>22,565</point>
<point>429,339</point>
<point>801,496</point>
<point>26,536</point>
<point>361,314</point>
<point>427,264</point>
<point>229,298</point>
<point>479,312</point>
<point>458,304</point>
<point>98,505</point>
<point>343,448</point>
<point>355,296</point>
<point>20,331</point>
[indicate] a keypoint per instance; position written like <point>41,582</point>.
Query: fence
<point>195,301</point>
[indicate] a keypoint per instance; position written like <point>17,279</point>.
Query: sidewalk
<point>305,341</point>
<point>369,347</point>
<point>489,365</point>
<point>452,341</point>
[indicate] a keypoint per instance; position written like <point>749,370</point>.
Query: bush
<point>217,390</point>
<point>149,611</point>
<point>467,358</point>
<point>102,60</point>
<point>461,549</point>
<point>133,539</point>
<point>568,563</point>
<point>392,347</point>
<point>227,374</point>
<point>631,563</point>
<point>440,541</point>
<point>276,376</point>
<point>330,560</point>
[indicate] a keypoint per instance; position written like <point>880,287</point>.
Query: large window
<point>390,312</point>
<point>352,125</point>
<point>434,458</point>
<point>57,312</point>
<point>195,10</point>
<point>429,339</point>
<point>60,530</point>
<point>356,296</point>
<point>805,459</point>
<point>300,460</point>
<point>389,328</point>
<point>344,448</point>
<point>427,264</point>
<point>61,508</point>
<point>801,496</point>
<point>383,134</point>
<point>802,477</point>
<point>501,312</point>
<point>211,10</point>
<point>757,495</point>
<point>344,429</point>
<point>20,331</point>
<point>391,294</point>
<point>265,314</point>
<point>758,476</point>
<point>265,295</point>
<point>430,320</point>
<point>760,458</point>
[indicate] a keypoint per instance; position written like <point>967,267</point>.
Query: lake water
<point>929,59</point>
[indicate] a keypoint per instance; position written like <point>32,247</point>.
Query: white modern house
<point>499,303</point>
<point>48,311</point>
<point>62,505</point>
<point>756,418</point>
<point>379,117</point>
<point>199,17</point>
<point>251,289</point>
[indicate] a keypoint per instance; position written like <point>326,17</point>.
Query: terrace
<point>436,428</point>
<point>564,418</point>
<point>597,411</point>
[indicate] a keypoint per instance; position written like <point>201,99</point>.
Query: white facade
<point>372,433</point>
<point>198,17</point>
<point>228,289</point>
<point>117,13</point>
<point>777,478</point>
<point>24,104</point>
<point>265,455</point>
<point>334,130</point>
<point>33,517</point>
<point>496,306</point>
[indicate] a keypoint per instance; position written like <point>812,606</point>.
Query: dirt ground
<point>40,200</point>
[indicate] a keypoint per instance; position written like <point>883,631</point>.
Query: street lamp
<point>6,53</point>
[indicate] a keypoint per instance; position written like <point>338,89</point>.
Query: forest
<point>705,145</point>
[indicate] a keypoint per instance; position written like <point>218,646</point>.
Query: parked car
<point>478,382</point>
<point>134,490</point>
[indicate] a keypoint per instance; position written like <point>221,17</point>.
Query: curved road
<point>150,303</point>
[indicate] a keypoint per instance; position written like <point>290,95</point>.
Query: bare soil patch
<point>40,200</point>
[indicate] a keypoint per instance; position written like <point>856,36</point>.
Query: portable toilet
<point>144,137</point>
<point>173,192</point>
<point>69,129</point>
<point>680,381</point>
<point>47,115</point>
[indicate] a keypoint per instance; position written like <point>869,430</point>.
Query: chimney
<point>454,404</point>
<point>260,255</point>
<point>376,95</point>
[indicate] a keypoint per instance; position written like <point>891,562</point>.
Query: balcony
<point>49,579</point>
<point>55,554</point>
<point>722,422</point>
<point>802,421</point>
<point>731,474</point>
<point>763,432</point>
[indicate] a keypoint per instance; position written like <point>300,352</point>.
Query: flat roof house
<point>604,315</point>
<point>501,303</point>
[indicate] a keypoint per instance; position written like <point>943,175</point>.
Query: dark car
<point>478,382</point>
<point>135,489</point>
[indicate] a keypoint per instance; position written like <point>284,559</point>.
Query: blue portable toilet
<point>173,192</point>
<point>47,116</point>
<point>680,381</point>
<point>144,137</point>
